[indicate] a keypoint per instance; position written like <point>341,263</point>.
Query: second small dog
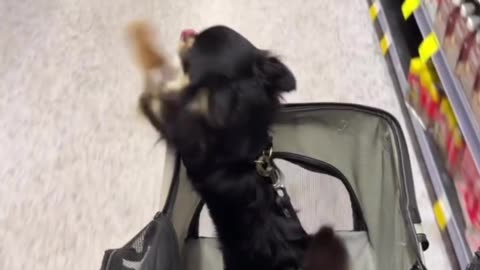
<point>217,113</point>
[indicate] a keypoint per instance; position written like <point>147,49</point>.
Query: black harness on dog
<point>270,172</point>
<point>267,169</point>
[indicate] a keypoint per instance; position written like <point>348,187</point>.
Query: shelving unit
<point>394,50</point>
<point>444,190</point>
<point>388,22</point>
<point>469,125</point>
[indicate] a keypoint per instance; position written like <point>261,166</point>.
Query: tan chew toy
<point>142,37</point>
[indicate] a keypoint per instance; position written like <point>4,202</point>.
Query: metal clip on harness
<point>267,169</point>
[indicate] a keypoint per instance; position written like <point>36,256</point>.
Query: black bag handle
<point>320,166</point>
<point>310,164</point>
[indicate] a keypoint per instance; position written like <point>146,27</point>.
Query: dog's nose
<point>187,33</point>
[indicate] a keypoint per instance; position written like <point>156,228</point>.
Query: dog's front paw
<point>151,107</point>
<point>178,83</point>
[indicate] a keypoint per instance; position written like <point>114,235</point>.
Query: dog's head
<point>228,94</point>
<point>221,55</point>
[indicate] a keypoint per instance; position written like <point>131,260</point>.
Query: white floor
<point>80,168</point>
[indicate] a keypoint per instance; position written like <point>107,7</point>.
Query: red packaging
<point>476,97</point>
<point>468,170</point>
<point>473,238</point>
<point>447,14</point>
<point>470,202</point>
<point>462,32</point>
<point>455,149</point>
<point>468,187</point>
<point>443,125</point>
<point>416,67</point>
<point>432,105</point>
<point>429,97</point>
<point>469,63</point>
<point>426,80</point>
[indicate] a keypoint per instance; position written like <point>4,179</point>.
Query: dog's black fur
<point>240,86</point>
<point>326,251</point>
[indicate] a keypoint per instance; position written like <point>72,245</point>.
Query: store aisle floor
<point>81,171</point>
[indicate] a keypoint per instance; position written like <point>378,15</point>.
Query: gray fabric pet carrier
<point>359,150</point>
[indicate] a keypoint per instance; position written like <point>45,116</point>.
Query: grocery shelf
<point>445,191</point>
<point>440,185</point>
<point>394,50</point>
<point>469,125</point>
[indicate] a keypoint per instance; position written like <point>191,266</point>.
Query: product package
<point>470,203</point>
<point>461,32</point>
<point>432,7</point>
<point>429,95</point>
<point>468,187</point>
<point>416,67</point>
<point>473,238</point>
<point>444,124</point>
<point>476,97</point>
<point>455,150</point>
<point>447,14</point>
<point>468,66</point>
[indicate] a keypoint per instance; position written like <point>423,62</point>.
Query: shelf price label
<point>442,214</point>
<point>385,44</point>
<point>374,10</point>
<point>409,7</point>
<point>429,47</point>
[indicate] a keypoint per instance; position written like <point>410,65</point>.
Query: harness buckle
<point>264,164</point>
<point>266,168</point>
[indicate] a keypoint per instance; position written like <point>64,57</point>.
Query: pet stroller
<point>360,150</point>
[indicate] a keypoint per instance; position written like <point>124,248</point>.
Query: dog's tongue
<point>187,33</point>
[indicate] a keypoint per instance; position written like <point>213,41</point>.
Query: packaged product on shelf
<point>443,125</point>
<point>425,82</point>
<point>468,66</point>
<point>455,149</point>
<point>463,31</point>
<point>468,169</point>
<point>432,7</point>
<point>416,67</point>
<point>469,197</point>
<point>476,97</point>
<point>467,182</point>
<point>429,96</point>
<point>473,238</point>
<point>447,13</point>
<point>432,104</point>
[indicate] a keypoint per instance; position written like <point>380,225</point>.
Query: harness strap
<point>267,169</point>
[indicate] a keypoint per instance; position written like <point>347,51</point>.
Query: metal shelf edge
<point>393,51</point>
<point>460,245</point>
<point>454,90</point>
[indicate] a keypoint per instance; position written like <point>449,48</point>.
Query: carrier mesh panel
<point>155,247</point>
<point>319,199</point>
<point>138,243</point>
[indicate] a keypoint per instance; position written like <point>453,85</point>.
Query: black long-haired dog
<point>217,113</point>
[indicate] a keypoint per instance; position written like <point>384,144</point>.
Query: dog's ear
<point>279,78</point>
